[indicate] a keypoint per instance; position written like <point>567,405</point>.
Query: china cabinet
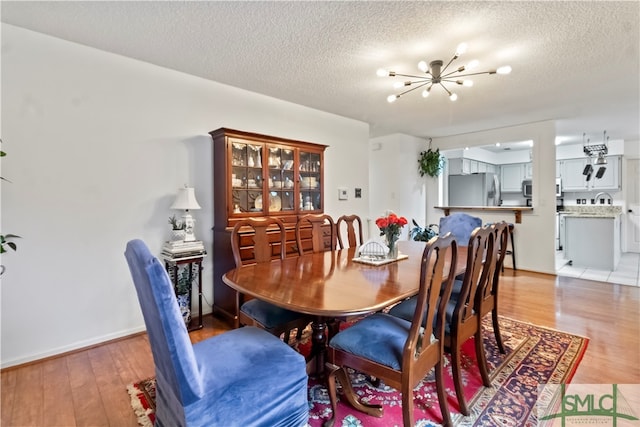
<point>255,176</point>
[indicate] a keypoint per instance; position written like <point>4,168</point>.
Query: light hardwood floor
<point>88,388</point>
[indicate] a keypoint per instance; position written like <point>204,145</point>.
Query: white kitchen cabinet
<point>611,178</point>
<point>592,242</point>
<point>511,176</point>
<point>473,166</point>
<point>574,180</point>
<point>572,177</point>
<point>459,166</point>
<point>462,166</point>
<point>528,170</point>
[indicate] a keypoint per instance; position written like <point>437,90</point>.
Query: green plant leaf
<point>430,163</point>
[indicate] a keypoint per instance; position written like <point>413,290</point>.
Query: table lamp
<point>186,200</point>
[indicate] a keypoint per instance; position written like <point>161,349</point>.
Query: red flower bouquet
<point>390,227</point>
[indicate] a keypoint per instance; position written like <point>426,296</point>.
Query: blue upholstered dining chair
<point>460,225</point>
<point>239,378</point>
<point>397,351</point>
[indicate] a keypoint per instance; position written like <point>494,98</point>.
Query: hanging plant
<point>430,162</point>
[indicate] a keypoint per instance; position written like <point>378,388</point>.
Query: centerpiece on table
<point>390,227</point>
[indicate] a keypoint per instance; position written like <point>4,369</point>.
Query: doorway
<point>632,198</point>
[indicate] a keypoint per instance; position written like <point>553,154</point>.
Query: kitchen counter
<point>589,215</point>
<point>517,210</point>
<point>592,211</point>
<point>592,239</point>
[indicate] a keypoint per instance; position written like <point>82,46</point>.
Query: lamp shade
<point>186,199</point>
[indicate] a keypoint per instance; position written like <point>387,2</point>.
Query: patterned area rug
<point>535,355</point>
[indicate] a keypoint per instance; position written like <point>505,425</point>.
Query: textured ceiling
<point>574,62</point>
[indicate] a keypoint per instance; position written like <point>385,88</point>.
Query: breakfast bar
<point>517,210</point>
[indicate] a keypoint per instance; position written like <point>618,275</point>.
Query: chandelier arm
<point>469,74</point>
<point>449,63</point>
<point>450,81</point>
<point>410,75</point>
<point>420,81</point>
<point>413,88</point>
<point>445,88</point>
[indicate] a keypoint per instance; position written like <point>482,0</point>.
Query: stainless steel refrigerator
<point>479,189</point>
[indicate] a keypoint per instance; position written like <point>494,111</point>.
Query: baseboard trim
<point>70,349</point>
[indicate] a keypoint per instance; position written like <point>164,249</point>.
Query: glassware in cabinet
<point>280,179</point>
<point>246,177</point>
<point>310,170</point>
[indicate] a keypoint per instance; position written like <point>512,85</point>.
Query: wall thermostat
<point>342,193</point>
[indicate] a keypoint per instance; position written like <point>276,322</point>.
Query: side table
<point>189,265</point>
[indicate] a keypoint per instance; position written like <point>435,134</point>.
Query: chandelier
<point>435,74</point>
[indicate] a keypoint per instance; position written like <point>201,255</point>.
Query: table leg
<point>340,373</point>
<point>319,339</point>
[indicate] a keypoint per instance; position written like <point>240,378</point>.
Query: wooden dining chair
<point>462,319</point>
<point>315,233</point>
<point>399,352</point>
<point>353,229</point>
<point>488,298</point>
<point>257,240</point>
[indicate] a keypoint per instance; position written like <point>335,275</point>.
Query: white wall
<point>629,228</point>
<point>97,146</point>
<point>398,185</point>
<point>535,235</point>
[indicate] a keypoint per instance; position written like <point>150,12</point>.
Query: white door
<point>633,206</point>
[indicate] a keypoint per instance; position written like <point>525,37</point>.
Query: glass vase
<point>392,244</point>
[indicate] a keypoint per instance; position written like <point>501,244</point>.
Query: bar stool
<point>512,250</point>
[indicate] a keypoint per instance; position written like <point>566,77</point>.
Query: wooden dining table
<point>331,285</point>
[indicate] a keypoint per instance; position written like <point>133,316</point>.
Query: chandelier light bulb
<point>392,98</point>
<point>398,85</point>
<point>462,48</point>
<point>472,64</point>
<point>467,83</point>
<point>382,72</point>
<point>425,93</point>
<point>422,66</point>
<point>453,97</point>
<point>504,70</point>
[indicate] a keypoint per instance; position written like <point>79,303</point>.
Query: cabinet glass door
<point>310,179</point>
<point>246,177</point>
<point>280,181</point>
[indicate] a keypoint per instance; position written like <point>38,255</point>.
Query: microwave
<point>527,188</point>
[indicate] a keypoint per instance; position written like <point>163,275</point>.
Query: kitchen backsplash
<point>606,209</point>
